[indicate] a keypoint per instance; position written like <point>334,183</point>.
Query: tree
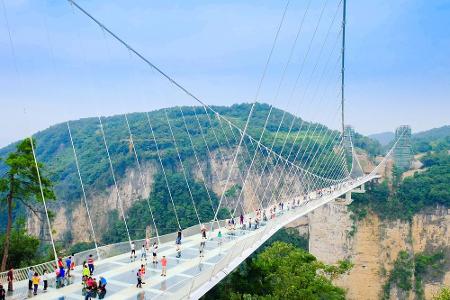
<point>21,183</point>
<point>281,271</point>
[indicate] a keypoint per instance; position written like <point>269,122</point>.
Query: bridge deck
<point>182,272</point>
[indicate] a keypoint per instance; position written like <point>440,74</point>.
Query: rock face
<point>374,247</point>
<point>71,216</point>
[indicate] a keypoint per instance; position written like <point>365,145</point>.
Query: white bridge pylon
<point>190,277</point>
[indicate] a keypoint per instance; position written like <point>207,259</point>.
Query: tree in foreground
<point>21,184</point>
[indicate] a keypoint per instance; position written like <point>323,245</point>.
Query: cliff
<point>373,245</point>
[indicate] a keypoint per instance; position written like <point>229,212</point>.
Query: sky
<point>56,64</point>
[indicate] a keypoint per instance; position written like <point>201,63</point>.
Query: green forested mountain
<point>434,139</point>
<point>55,152</point>
<point>54,149</point>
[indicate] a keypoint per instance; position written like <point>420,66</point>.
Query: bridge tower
<point>348,138</point>
<point>403,152</point>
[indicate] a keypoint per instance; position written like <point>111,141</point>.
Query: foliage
<point>427,265</point>
<point>23,247</point>
<point>444,294</point>
<point>371,146</point>
<point>138,217</point>
<point>436,139</point>
<point>422,266</point>
<point>22,184</point>
<point>281,271</point>
<point>286,235</point>
<point>413,194</point>
<point>401,274</point>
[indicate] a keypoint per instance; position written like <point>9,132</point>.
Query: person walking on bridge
<point>133,251</point>
<point>10,276</point>
<point>178,243</point>
<point>143,253</point>
<point>68,264</point>
<point>164,266</point>
<point>45,279</point>
<point>30,278</point>
<point>90,263</point>
<point>155,253</point>
<point>36,279</point>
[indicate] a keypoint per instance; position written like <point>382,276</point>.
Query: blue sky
<point>397,71</point>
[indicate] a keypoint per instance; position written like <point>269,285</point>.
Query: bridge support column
<point>348,197</point>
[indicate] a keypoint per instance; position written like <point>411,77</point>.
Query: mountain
<point>383,137</point>
<point>435,139</point>
<point>54,150</point>
<point>433,134</point>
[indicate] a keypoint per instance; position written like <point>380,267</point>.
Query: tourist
<point>35,279</point>
<point>102,287</point>
<point>30,278</point>
<point>60,263</point>
<point>133,251</point>
<point>203,231</point>
<point>164,266</point>
<point>90,263</point>
<point>91,288</point>
<point>249,223</point>
<point>147,243</point>
<point>85,273</point>
<point>155,250</point>
<point>72,265</point>
<point>45,279</point>
<point>62,276</point>
<point>178,243</point>
<point>241,220</point>
<point>142,273</point>
<point>10,276</point>
<point>57,277</point>
<point>143,253</point>
<point>219,237</point>
<point>68,264</point>
<point>102,284</point>
<point>2,292</point>
<point>139,279</point>
<point>202,248</point>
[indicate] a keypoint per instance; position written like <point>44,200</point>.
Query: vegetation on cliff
<point>424,189</point>
<point>409,272</point>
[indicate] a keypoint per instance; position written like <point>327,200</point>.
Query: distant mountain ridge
<point>434,133</point>
<point>422,141</point>
<point>383,137</point>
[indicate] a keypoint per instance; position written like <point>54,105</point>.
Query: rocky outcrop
<point>374,247</point>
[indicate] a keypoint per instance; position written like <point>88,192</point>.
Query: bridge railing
<point>106,251</point>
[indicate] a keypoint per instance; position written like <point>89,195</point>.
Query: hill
<point>69,220</point>
<point>435,139</point>
<point>384,138</point>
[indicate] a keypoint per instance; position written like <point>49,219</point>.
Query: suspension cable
<point>119,198</point>
<point>82,188</point>
<point>163,169</point>
<point>141,175</point>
